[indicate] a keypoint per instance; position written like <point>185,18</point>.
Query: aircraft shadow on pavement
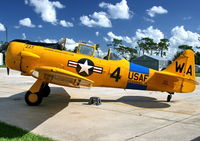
<point>196,139</point>
<point>14,111</point>
<point>138,101</point>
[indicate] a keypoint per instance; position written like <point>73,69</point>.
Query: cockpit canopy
<point>92,50</point>
<point>86,48</point>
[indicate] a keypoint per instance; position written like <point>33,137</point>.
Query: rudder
<point>184,66</point>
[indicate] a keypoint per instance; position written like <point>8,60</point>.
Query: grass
<point>12,133</point>
<point>2,66</point>
<point>198,74</point>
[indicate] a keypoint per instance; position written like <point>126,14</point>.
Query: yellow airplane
<point>83,69</point>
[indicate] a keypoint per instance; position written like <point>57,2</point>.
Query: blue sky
<point>100,21</point>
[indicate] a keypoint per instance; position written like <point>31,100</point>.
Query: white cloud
<point>112,36</point>
<point>26,22</point>
<point>118,11</point>
<point>150,32</point>
<point>96,19</point>
<point>49,40</point>
<point>23,36</point>
<point>66,24</point>
<point>180,36</point>
<point>70,44</point>
<point>156,10</point>
<point>2,27</point>
<point>46,8</point>
<point>97,33</point>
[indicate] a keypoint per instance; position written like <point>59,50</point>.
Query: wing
<point>61,77</point>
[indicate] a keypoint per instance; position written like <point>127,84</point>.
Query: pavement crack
<point>151,131</point>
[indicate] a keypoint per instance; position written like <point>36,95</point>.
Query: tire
<point>169,98</point>
<point>45,91</point>
<point>33,99</point>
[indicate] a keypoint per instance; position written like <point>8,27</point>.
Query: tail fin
<point>184,66</point>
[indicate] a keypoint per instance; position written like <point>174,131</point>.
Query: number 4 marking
<point>116,74</point>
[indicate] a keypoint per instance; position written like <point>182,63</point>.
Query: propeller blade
<point>8,71</point>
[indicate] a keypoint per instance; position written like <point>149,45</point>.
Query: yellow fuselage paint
<point>108,73</point>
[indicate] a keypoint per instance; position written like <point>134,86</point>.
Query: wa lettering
<point>180,68</point>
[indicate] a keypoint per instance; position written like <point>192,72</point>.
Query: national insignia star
<point>85,67</point>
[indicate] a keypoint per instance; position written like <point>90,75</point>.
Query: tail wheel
<point>33,99</point>
<point>169,97</point>
<point>45,91</point>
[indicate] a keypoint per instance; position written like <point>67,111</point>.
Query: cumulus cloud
<point>66,24</point>
<point>49,40</point>
<point>99,19</point>
<point>2,27</point>
<point>150,32</point>
<point>112,36</point>
<point>152,12</point>
<point>46,8</point>
<point>26,22</point>
<point>180,36</point>
<point>118,11</point>
<point>70,44</point>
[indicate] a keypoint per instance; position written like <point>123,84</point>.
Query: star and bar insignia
<point>85,67</point>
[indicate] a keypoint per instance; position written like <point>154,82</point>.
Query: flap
<point>61,77</point>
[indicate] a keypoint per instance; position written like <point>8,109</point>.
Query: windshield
<point>86,50</point>
<point>114,55</point>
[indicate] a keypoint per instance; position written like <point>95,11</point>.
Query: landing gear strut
<point>169,97</point>
<point>36,93</point>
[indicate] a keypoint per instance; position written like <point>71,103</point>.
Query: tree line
<point>147,45</point>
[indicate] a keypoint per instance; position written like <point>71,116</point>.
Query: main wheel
<point>33,99</point>
<point>45,91</point>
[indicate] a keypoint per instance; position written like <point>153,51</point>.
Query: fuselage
<point>104,73</point>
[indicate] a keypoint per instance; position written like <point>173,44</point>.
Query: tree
<point>3,46</point>
<point>185,47</point>
<point>123,50</point>
<point>197,55</point>
<point>147,44</point>
<point>162,46</point>
<point>182,48</point>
